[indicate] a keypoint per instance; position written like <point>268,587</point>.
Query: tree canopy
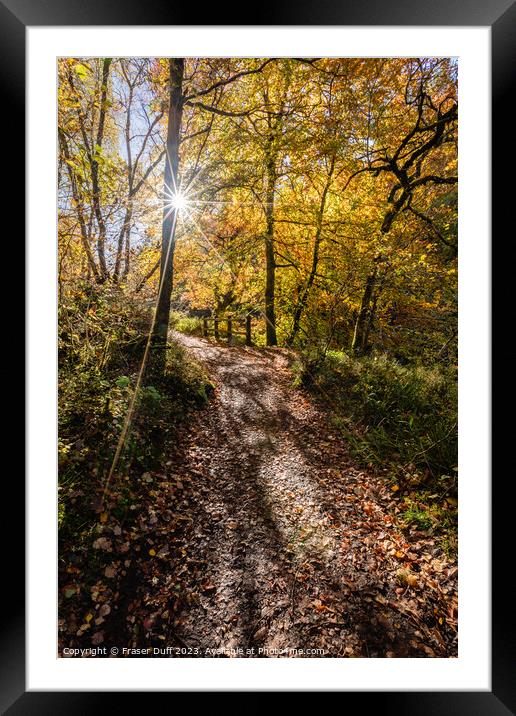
<point>209,504</point>
<point>319,192</point>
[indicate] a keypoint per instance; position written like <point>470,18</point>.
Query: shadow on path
<point>296,544</point>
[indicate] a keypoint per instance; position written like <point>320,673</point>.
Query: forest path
<point>290,545</point>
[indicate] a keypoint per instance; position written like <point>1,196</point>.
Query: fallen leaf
<point>405,576</point>
<point>102,543</point>
<point>209,587</point>
<point>260,634</point>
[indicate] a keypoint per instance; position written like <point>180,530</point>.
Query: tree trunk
<point>85,238</point>
<point>366,313</point>
<point>127,258</point>
<point>303,299</point>
<point>359,334</point>
<point>270,262</point>
<point>101,240</point>
<point>147,276</point>
<point>123,238</point>
<point>176,66</point>
<point>369,322</point>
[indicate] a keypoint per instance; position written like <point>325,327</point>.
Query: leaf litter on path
<point>262,535</point>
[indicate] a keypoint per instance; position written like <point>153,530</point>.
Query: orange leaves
<point>319,606</point>
<point>369,508</point>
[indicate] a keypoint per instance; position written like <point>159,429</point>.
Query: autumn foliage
<point>319,197</point>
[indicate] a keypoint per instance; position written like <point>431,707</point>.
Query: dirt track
<point>291,546</point>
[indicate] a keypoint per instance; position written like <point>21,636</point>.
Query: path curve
<point>296,549</point>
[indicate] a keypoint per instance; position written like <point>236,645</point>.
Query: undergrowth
<point>400,419</point>
<point>182,322</point>
<point>102,336</point>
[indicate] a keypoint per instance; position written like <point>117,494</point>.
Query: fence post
<point>205,327</point>
<point>248,329</point>
<point>216,328</point>
<point>229,329</point>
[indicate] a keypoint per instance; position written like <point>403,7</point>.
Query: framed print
<point>258,292</point>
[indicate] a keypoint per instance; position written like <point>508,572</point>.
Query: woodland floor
<point>296,545</point>
<point>265,535</point>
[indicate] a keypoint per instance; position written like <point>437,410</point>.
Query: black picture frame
<point>500,15</point>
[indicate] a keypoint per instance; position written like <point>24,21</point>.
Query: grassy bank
<point>401,420</point>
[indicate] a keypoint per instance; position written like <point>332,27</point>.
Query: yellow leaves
<point>152,552</point>
<point>412,580</point>
<point>451,166</point>
<point>407,578</point>
<point>82,70</point>
<point>88,617</point>
<point>104,517</point>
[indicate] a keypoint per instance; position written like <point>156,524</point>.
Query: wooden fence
<point>231,322</point>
